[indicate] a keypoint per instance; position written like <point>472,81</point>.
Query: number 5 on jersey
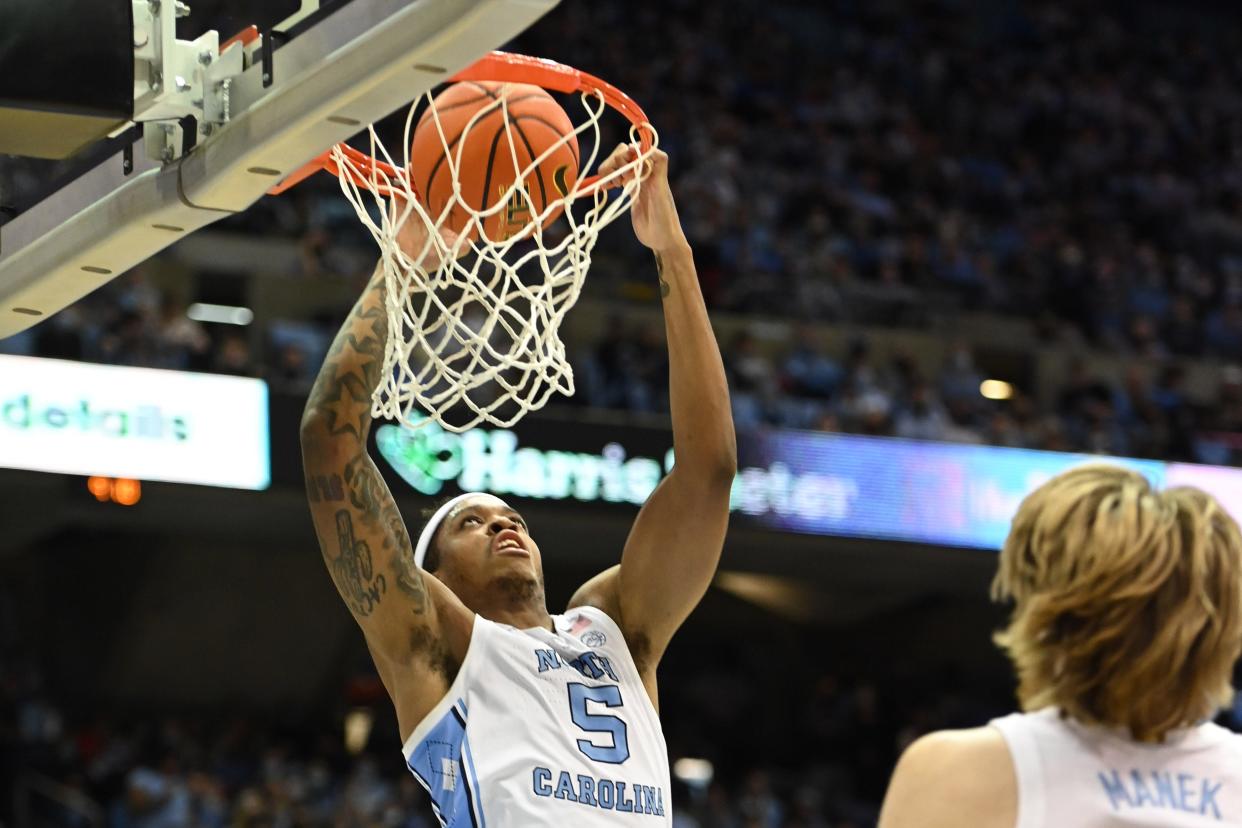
<point>608,695</point>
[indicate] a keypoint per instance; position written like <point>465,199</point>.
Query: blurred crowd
<point>132,322</point>
<point>798,381</point>
<point>896,162</point>
<point>803,384</point>
<point>243,770</point>
<point>1072,163</point>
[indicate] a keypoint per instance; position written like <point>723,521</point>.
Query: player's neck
<point>517,602</point>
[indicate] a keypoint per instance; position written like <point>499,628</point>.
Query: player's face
<point>483,540</point>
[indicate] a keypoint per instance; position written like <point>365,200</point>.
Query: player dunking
<point>1125,632</point>
<point>510,715</point>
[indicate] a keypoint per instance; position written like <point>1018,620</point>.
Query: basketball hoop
<point>476,337</point>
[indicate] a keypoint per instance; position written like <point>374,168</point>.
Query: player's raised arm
<point>364,540</point>
<point>673,549</point>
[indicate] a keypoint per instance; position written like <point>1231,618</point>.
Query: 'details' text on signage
<point>25,412</point>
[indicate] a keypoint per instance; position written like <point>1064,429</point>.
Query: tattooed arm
<point>416,630</point>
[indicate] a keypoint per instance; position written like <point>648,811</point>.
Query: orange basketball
<point>487,170</point>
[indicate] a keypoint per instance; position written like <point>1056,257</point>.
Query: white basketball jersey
<point>545,728</point>
<point>1074,776</point>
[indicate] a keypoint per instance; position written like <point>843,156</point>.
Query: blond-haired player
<point>1125,632</point>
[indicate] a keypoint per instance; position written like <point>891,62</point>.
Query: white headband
<point>429,531</point>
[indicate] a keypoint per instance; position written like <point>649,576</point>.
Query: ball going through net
<point>487,135</point>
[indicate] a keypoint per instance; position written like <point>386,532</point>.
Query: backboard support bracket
<point>350,68</point>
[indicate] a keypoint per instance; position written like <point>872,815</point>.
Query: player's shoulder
<point>1227,740</point>
<point>600,593</point>
<point>976,746</point>
<point>949,773</point>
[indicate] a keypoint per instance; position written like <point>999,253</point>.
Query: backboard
<point>264,106</point>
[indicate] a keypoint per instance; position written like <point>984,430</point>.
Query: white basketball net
<point>477,338</point>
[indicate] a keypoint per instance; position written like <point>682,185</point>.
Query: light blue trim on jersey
<point>472,777</point>
<point>442,764</point>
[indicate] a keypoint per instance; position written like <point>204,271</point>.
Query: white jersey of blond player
<point>545,728</point>
<point>1075,776</point>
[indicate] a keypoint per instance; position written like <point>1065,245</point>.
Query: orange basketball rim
<point>505,67</point>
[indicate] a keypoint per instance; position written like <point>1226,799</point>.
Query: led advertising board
<point>1224,483</point>
<point>808,482</point>
<point>141,423</point>
<point>937,493</point>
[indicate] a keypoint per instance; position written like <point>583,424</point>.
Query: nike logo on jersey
<point>1156,789</point>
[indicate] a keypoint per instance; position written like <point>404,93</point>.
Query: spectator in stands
<point>181,343</point>
<point>807,370</point>
<point>1227,413</point>
<point>233,356</point>
<point>292,368</point>
<point>752,380</point>
<point>758,806</point>
<point>157,795</point>
<point>648,382</point>
<point>960,381</point>
<point>922,417</point>
<point>1183,332</point>
<point>130,340</point>
<point>1223,332</point>
<point>609,372</point>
